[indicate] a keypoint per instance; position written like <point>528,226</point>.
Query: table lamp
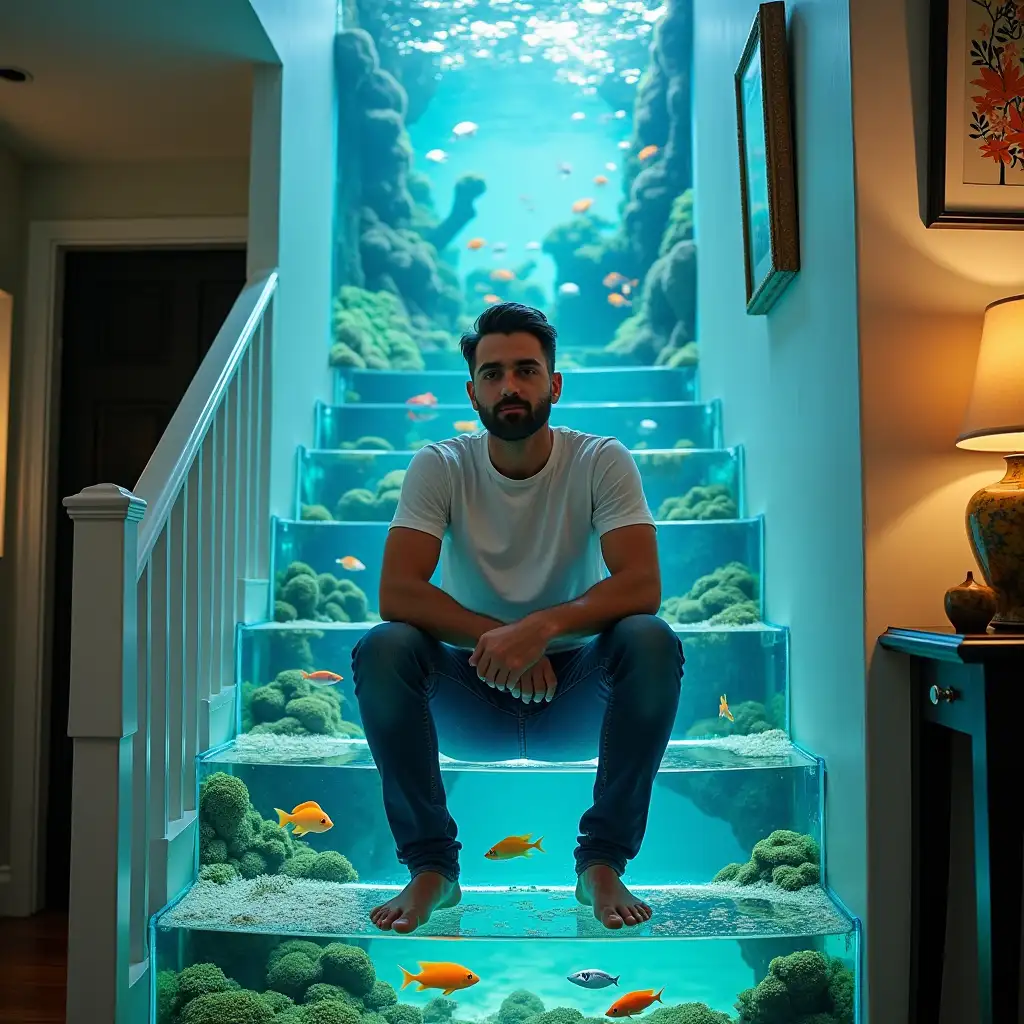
<point>995,423</point>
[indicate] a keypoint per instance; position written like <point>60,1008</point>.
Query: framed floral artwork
<point>771,240</point>
<point>976,115</point>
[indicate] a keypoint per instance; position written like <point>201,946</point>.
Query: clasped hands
<point>511,658</point>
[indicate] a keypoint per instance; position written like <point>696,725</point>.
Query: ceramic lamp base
<point>995,527</point>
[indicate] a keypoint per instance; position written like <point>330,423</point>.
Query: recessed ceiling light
<point>14,75</point>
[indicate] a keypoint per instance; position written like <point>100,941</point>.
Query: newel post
<point>102,719</point>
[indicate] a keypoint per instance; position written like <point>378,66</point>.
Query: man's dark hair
<point>507,318</point>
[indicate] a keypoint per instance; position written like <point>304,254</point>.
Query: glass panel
<point>397,426</point>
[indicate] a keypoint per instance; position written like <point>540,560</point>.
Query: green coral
<point>687,1013</point>
<point>709,501</point>
<point>348,966</point>
<point>438,1010</point>
<point>328,866</point>
<point>277,1001</point>
<point>360,504</point>
<point>166,996</point>
<point>788,859</point>
<point>372,330</point>
<point>293,973</point>
<point>329,1012</point>
<point>228,822</point>
<point>517,1006</point>
<point>315,513</point>
<point>559,1015</point>
<point>234,1007</point>
<point>806,987</point>
<point>309,594</point>
<point>714,594</point>
<point>402,1013</point>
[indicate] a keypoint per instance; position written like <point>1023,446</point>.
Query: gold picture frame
<point>771,236</point>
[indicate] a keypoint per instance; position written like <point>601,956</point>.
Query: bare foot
<point>614,905</point>
<point>424,894</point>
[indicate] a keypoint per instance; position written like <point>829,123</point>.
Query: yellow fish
<point>616,300</point>
<point>307,817</point>
<point>723,709</point>
<point>492,299</point>
<point>582,205</point>
<point>466,426</point>
<point>446,976</point>
<point>647,152</point>
<point>502,275</point>
<point>351,563</point>
<point>514,846</point>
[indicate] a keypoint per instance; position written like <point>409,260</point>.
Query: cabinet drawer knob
<point>942,694</point>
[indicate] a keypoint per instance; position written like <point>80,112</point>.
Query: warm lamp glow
<point>995,415</point>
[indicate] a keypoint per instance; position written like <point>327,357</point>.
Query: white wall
<point>296,170</point>
<point>790,387</point>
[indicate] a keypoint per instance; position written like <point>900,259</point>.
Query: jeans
<point>616,698</point>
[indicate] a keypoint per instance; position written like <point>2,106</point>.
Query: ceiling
<point>127,80</point>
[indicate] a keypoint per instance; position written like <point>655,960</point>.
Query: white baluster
<point>265,340</point>
<point>140,777</point>
<point>230,542</point>
<point>194,602</point>
<point>207,527</point>
<point>176,544</point>
<point>245,509</point>
<point>220,424</point>
<point>159,757</point>
<point>102,720</point>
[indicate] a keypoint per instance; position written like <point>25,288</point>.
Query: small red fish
<point>502,274</point>
<point>582,205</point>
<point>476,243</point>
<point>723,709</point>
<point>427,398</point>
<point>633,1002</point>
<point>351,563</point>
<point>321,675</point>
<point>647,152</point>
<point>601,179</point>
<point>618,301</point>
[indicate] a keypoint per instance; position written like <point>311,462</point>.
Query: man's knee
<point>649,646</point>
<point>390,651</point>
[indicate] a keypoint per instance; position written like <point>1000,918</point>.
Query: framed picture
<point>771,237</point>
<point>975,115</point>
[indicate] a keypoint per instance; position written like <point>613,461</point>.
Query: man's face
<point>511,387</point>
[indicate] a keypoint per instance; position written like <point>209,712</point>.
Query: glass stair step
<point>748,663</point>
<point>687,551</point>
<point>325,479</point>
<point>534,914</point>
<point>580,356</point>
<point>636,424</point>
<point>606,384</point>
<point>730,792</point>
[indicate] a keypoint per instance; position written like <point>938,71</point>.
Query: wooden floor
<point>33,960</point>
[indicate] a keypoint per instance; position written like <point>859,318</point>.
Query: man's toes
<point>626,913</point>
<point>404,924</point>
<point>610,918</point>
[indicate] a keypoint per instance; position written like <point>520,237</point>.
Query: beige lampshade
<point>995,413</point>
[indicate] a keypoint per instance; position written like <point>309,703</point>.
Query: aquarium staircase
<point>267,927</point>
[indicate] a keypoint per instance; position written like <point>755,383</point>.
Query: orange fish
<point>514,846</point>
<point>321,675</point>
<point>476,243</point>
<point>601,180</point>
<point>723,709</point>
<point>307,817</point>
<point>350,563</point>
<point>466,426</point>
<point>427,398</point>
<point>491,299</point>
<point>616,300</point>
<point>633,1002</point>
<point>502,275</point>
<point>612,279</point>
<point>446,976</point>
<point>647,152</point>
<point>582,205</point>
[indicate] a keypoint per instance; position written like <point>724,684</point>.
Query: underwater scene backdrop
<point>537,151</point>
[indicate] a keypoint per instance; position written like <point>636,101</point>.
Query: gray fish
<point>593,979</point>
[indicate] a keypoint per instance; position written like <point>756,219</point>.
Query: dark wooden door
<point>135,326</point>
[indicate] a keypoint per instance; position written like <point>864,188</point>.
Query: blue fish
<point>593,979</point>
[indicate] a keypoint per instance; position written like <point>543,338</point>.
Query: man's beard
<point>516,426</point>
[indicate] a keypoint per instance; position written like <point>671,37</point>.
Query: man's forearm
<point>619,595</point>
<point>429,608</point>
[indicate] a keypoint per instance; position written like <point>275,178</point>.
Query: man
<point>527,651</point>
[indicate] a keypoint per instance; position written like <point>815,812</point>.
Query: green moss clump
<point>348,966</point>
<point>166,996</point>
<point>559,1015</point>
<point>713,501</point>
<point>315,514</point>
<point>402,1013</point>
<point>372,330</point>
<point>236,1007</point>
<point>688,1013</point>
<point>517,1006</point>
<point>803,986</point>
<point>218,873</point>
<point>360,504</point>
<point>788,859</point>
<point>712,595</point>
<point>438,1010</point>
<point>293,973</point>
<point>328,1012</point>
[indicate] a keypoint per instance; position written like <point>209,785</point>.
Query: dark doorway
<point>135,326</point>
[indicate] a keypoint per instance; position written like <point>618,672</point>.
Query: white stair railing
<point>157,589</point>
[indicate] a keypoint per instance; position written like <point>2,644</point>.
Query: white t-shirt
<point>512,547</point>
